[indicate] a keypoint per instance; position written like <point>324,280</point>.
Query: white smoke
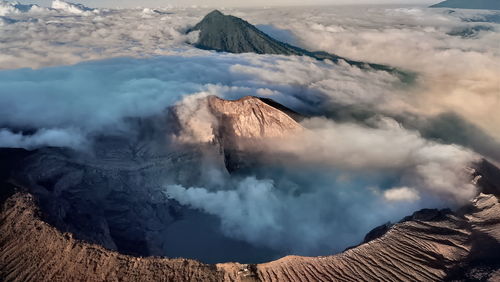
<point>321,190</point>
<point>319,222</point>
<point>401,194</point>
<point>425,165</point>
<point>197,122</point>
<point>334,180</point>
<point>452,68</point>
<point>96,97</point>
<point>69,138</point>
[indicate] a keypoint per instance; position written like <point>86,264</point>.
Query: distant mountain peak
<point>226,33</point>
<point>469,4</point>
<point>214,13</point>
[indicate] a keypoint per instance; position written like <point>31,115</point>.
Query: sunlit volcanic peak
<point>250,117</point>
<point>231,34</point>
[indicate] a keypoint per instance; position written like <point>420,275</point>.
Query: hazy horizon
<point>228,4</point>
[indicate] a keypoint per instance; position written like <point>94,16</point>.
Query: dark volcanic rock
<point>115,197</point>
<point>487,177</point>
<point>32,250</point>
<point>448,247</point>
<point>116,204</point>
<point>225,33</point>
<point>234,35</point>
<point>237,124</point>
<point>293,114</point>
<point>428,215</point>
<point>377,232</point>
<point>469,4</point>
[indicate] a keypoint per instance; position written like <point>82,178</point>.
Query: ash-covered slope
<point>250,117</point>
<point>226,33</point>
<point>32,250</point>
<point>73,8</point>
<point>430,245</point>
<point>116,198</point>
<point>469,4</point>
<point>243,121</point>
<point>234,124</point>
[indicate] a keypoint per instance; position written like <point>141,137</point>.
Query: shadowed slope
<point>430,245</point>
<point>225,33</point>
<point>427,246</point>
<point>32,250</point>
<point>234,35</point>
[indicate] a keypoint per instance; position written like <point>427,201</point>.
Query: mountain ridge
<point>469,4</point>
<point>226,33</point>
<point>429,245</point>
<point>430,248</point>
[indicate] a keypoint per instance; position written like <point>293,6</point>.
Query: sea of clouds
<point>375,148</point>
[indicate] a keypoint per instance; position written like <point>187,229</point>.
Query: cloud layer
<point>456,73</point>
<point>364,158</point>
<point>321,190</point>
<point>97,96</point>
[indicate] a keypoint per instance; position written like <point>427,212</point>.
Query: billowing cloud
<point>357,166</point>
<point>401,194</point>
<point>424,165</point>
<point>456,74</point>
<point>62,36</point>
<point>312,185</point>
<point>317,220</point>
<point>97,96</point>
<point>42,138</point>
<point>73,8</point>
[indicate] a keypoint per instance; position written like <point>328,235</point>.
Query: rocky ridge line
<point>429,246</point>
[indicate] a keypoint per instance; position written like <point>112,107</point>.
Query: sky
<point>233,3</point>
